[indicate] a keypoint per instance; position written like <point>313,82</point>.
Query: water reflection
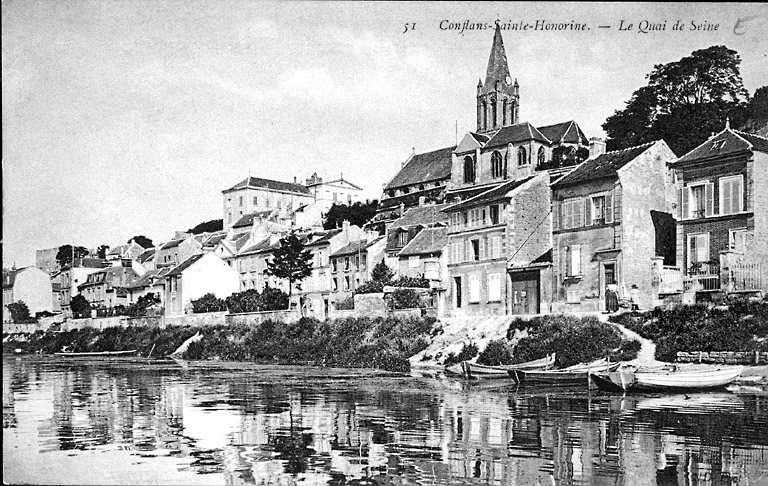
<point>123,421</point>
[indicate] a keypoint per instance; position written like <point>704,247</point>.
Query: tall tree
<point>291,261</point>
<point>80,306</point>
<point>207,227</point>
<point>357,213</point>
<point>67,252</point>
<point>683,103</point>
<point>142,240</point>
<point>19,312</point>
<point>102,250</point>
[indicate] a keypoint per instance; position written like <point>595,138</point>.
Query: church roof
<point>424,167</point>
<point>519,132</point>
<point>726,142</point>
<point>604,165</point>
<point>565,132</point>
<point>279,186</point>
<point>497,70</point>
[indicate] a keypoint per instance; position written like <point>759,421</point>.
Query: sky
<point>122,118</point>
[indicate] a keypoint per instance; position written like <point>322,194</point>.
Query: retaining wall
<point>723,357</point>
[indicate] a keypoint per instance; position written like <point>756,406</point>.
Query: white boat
<point>668,379</point>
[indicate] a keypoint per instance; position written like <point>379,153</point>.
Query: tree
<point>290,261</point>
<point>19,312</point>
<point>101,251</point>
<point>683,103</point>
<point>80,306</point>
<point>357,213</point>
<point>208,303</point>
<point>67,252</point>
<point>208,227</point>
<point>142,240</point>
<point>382,273</point>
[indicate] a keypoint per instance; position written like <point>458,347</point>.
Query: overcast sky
<point>130,117</point>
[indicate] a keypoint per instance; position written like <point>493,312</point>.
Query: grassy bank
<point>574,339</point>
<point>384,343</point>
<point>742,326</point>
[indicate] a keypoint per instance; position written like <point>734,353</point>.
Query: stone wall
<point>723,357</point>
<point>254,318</point>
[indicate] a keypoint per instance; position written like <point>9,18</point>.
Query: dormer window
<point>402,238</point>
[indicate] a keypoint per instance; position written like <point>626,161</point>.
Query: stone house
<point>604,231</point>
<point>426,256</point>
<point>130,251</point>
<point>337,191</point>
<point>254,194</point>
<point>196,276</point>
<point>29,284</point>
<point>152,282</point>
<point>107,288</point>
<point>498,242</point>
<point>351,265</point>
<point>176,251</point>
<point>73,275</point>
<point>405,228</point>
<point>722,214</point>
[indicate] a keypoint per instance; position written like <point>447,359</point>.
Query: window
<point>494,213</point>
<point>347,285</point>
<point>229,202</point>
<point>599,209</point>
<point>541,157</point>
<point>349,199</point>
<point>522,156</point>
<point>494,105</point>
<point>335,197</point>
<point>571,213</point>
<point>496,247</point>
<point>346,263</point>
<point>737,239</point>
<point>474,288</point>
<point>476,250</point>
<point>255,200</point>
<point>241,200</point>
<point>334,284</point>
<point>573,261</point>
<point>402,238</point>
<point>698,250</point>
<point>485,115</point>
<point>494,287</point>
<point>504,112</point>
<point>731,195</point>
<point>469,169</point>
<point>698,200</point>
<point>497,165</point>
<point>334,264</point>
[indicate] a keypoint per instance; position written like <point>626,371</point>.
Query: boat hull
<point>474,370</point>
<point>559,377</point>
<point>97,353</point>
<point>687,380</point>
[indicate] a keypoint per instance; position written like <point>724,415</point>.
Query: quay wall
<point>723,357</point>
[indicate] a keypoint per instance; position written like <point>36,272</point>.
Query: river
<point>130,421</point>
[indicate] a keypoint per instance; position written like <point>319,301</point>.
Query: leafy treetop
<point>67,252</point>
<point>290,261</point>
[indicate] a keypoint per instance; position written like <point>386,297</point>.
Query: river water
<point>129,421</point>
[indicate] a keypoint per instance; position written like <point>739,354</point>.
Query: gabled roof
<point>279,186</point>
<point>178,269</point>
<point>325,238</point>
<point>429,240</point>
<point>565,132</point>
<point>481,139</point>
<point>341,179</point>
<point>247,219</point>
<point>214,238</point>
<point>355,247</point>
<point>422,215</point>
<point>172,244</point>
<point>724,143</point>
<point>604,165</point>
<point>257,247</point>
<point>488,196</point>
<point>148,278</point>
<point>520,132</point>
<point>424,167</point>
<point>146,255</point>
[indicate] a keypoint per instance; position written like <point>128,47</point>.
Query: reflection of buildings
<point>256,428</point>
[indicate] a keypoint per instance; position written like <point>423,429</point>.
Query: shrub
<point>404,299</point>
<point>496,353</point>
<point>208,303</point>
<point>19,312</point>
<point>406,281</point>
<point>468,352</point>
<point>371,287</point>
<point>273,299</point>
<point>80,306</point>
<point>246,301</point>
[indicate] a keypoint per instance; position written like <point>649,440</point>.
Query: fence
<point>703,276</point>
<point>670,280</point>
<point>744,277</point>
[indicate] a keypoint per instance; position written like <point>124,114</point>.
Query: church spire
<point>498,98</point>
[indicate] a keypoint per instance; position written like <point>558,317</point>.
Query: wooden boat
<point>474,370</point>
<point>674,379</point>
<point>575,374</point>
<point>69,354</point>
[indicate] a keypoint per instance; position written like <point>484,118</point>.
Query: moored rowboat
<point>696,379</point>
<point>474,370</point>
<point>572,375</point>
<point>96,353</point>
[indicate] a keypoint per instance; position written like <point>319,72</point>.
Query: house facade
<point>722,214</point>
<point>196,276</point>
<point>176,251</point>
<point>75,274</point>
<point>30,285</point>
<point>254,194</point>
<point>604,231</point>
<point>337,191</point>
<point>404,229</point>
<point>351,265</point>
<point>107,288</point>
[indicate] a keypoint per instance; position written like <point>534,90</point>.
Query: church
<point>494,189</point>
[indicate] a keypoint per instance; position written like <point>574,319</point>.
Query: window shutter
<point>609,207</point>
<point>682,197</point>
<point>483,249</point>
<point>709,198</point>
<point>556,215</point>
<point>725,197</point>
<point>468,251</point>
<point>587,211</point>
<point>576,254</point>
<point>568,269</point>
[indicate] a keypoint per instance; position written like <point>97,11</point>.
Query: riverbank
<point>384,343</point>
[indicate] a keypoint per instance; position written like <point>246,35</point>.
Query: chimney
<point>596,147</point>
<point>422,200</point>
<point>402,209</point>
<point>294,180</point>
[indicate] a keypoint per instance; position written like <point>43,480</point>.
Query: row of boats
<point>605,375</point>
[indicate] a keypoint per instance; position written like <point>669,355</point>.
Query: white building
<point>196,276</point>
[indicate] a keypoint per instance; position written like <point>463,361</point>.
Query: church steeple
<point>498,99</point>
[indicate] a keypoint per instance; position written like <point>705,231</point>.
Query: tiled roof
<point>118,250</point>
<point>519,132</point>
<point>604,165</point>
<point>247,219</point>
<point>185,265</point>
<point>256,247</point>
<point>430,240</point>
<point>355,246</point>
<point>481,139</point>
<point>566,132</point>
<point>424,167</point>
<point>325,238</point>
<point>490,195</point>
<point>726,142</point>
<point>425,215</point>
<point>148,278</point>
<point>258,183</point>
<point>172,244</point>
<point>146,255</point>
<point>214,239</point>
